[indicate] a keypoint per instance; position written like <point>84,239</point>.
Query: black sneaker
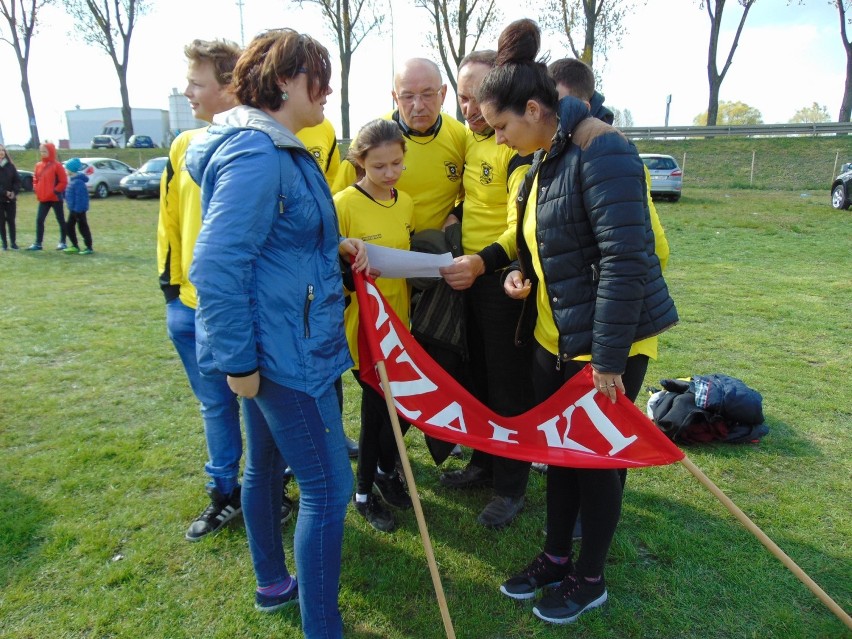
<point>267,603</point>
<point>570,599</point>
<point>391,489</point>
<point>375,513</point>
<point>541,573</point>
<point>500,511</point>
<point>220,511</point>
<point>351,447</point>
<point>469,477</point>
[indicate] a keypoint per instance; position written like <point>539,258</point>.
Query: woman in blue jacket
<point>591,284</point>
<point>270,298</point>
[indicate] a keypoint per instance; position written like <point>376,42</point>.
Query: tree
<point>846,103</point>
<point>732,114</point>
<point>621,118</point>
<point>594,24</point>
<point>464,20</point>
<point>349,22</point>
<point>22,18</point>
<point>715,8</point>
<point>109,24</point>
<point>814,113</point>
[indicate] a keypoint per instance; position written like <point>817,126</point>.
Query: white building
<point>180,114</point>
<point>84,124</point>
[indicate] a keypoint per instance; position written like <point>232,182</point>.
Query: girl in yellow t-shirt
<point>373,210</point>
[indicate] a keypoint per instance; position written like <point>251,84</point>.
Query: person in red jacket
<point>49,182</point>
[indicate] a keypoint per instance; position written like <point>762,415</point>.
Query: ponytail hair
<point>517,76</point>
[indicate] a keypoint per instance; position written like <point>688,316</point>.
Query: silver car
<point>666,176</point>
<point>104,175</point>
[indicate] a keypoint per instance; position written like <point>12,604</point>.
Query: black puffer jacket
<point>595,243</point>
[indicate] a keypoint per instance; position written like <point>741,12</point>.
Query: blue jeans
<point>220,409</point>
<point>309,432</point>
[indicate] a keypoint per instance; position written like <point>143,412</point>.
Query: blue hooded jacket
<point>266,267</point>
<point>76,195</point>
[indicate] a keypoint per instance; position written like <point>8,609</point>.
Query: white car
<point>104,175</point>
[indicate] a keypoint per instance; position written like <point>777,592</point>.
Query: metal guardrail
<point>753,130</point>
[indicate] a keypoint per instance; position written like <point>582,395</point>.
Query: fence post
<point>834,172</point>
<point>683,167</point>
<point>751,178</point>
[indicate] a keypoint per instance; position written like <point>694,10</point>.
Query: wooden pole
<point>751,177</point>
<point>834,172</point>
<point>766,541</point>
<point>415,500</point>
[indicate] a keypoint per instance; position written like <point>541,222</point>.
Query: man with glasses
<point>435,145</point>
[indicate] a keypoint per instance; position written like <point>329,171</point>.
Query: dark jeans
<point>8,211</point>
<point>499,372</point>
<point>43,210</point>
<point>594,494</point>
<point>79,220</point>
<point>376,444</point>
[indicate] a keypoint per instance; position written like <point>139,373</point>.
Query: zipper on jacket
<point>308,299</point>
<point>558,363</point>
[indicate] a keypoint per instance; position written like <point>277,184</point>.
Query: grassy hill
<point>800,163</point>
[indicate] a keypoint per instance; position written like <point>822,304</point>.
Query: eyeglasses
<point>426,96</point>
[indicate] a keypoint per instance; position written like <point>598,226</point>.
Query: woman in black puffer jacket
<point>591,284</point>
<point>10,184</point>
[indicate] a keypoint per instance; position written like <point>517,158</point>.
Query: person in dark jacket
<point>10,184</point>
<point>591,284</point>
<point>77,197</point>
<point>49,182</point>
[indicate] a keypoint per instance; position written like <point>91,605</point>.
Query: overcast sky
<point>789,56</point>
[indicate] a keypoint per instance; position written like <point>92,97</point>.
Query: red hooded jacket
<point>49,179</point>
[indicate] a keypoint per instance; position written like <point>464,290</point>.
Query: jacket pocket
<point>309,298</point>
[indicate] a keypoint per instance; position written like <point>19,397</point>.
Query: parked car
<point>26,178</point>
<point>841,187</point>
<point>145,180</point>
<point>666,176</point>
<point>140,142</point>
<point>104,142</point>
<point>104,175</point>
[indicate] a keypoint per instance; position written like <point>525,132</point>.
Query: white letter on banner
<point>501,434</point>
<point>382,316</point>
<point>601,422</point>
<point>446,417</point>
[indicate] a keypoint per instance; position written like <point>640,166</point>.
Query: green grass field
<point>102,453</point>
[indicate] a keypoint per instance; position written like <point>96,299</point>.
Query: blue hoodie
<point>266,267</point>
<point>76,194</point>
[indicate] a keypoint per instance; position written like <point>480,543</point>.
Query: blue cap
<point>73,165</point>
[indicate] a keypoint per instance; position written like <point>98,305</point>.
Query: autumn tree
<point>715,8</point>
<point>814,113</point>
<point>621,118</point>
<point>22,20</point>
<point>591,26</point>
<point>732,114</point>
<point>459,25</point>
<point>349,22</point>
<point>108,25</point>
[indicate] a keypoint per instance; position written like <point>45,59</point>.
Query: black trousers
<point>594,494</point>
<point>41,216</point>
<point>8,212</point>
<point>376,445</point>
<point>79,220</point>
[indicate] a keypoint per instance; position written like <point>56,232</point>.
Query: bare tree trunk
<point>714,76</point>
<point>344,95</point>
<point>846,103</point>
<point>126,114</point>
<point>28,101</point>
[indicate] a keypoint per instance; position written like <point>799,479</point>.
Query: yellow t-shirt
<point>321,142</point>
<point>492,175</point>
<point>388,223</point>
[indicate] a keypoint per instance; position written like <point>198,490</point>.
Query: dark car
<point>140,142</point>
<point>104,142</point>
<point>26,178</point>
<point>145,180</point>
<point>840,188</point>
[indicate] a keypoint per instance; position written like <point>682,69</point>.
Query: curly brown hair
<point>278,54</point>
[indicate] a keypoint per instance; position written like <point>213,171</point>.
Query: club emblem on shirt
<point>317,152</point>
<point>487,173</point>
<point>452,171</point>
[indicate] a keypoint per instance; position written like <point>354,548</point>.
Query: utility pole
<point>668,104</point>
<point>242,33</point>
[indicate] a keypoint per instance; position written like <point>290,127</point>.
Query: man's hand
<point>245,386</point>
<point>463,271</point>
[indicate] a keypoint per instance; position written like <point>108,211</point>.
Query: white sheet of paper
<point>399,263</point>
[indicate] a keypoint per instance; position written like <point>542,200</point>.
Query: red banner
<point>576,427</point>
